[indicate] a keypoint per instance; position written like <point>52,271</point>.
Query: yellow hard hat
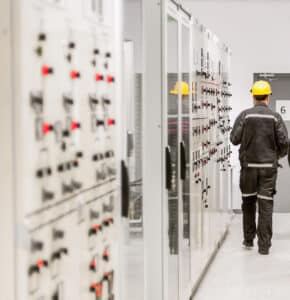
<point>180,87</point>
<point>261,88</point>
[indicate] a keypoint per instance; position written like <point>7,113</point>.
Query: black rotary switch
<point>100,122</point>
<point>76,185</point>
<point>95,157</point>
<point>42,37</point>
<point>49,171</point>
<point>39,173</point>
<point>79,154</point>
<point>60,168</point>
<point>36,246</point>
<point>75,164</point>
<point>71,45</point>
<point>94,214</point>
<point>47,195</point>
<point>58,234</point>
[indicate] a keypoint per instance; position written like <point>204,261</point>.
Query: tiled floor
<point>238,274</point>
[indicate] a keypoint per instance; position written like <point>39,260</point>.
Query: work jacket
<point>262,135</point>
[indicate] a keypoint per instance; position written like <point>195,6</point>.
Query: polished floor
<point>239,274</point>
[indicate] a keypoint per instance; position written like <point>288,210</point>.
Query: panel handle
<point>125,189</point>
<point>168,168</point>
<point>182,161</point>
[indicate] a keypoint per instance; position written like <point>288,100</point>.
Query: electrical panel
<point>197,152</point>
<point>211,150</point>
<point>65,151</point>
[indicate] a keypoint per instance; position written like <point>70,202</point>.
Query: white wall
<point>258,33</point>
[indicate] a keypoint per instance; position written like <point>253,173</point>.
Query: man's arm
<point>282,139</point>
<point>237,131</point>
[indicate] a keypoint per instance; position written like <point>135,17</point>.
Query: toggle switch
<point>36,101</point>
<point>106,256</point>
<point>97,288</point>
<point>93,265</point>
<point>95,229</point>
<point>37,267</point>
<point>68,100</point>
<point>108,221</point>
<point>57,255</point>
<point>100,123</point>
<point>106,101</point>
<point>93,101</point>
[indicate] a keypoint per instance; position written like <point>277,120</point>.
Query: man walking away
<point>263,139</point>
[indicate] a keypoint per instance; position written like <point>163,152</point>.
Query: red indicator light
<point>93,264</point>
<point>40,263</point>
<point>75,74</point>
<point>75,125</point>
<point>99,77</point>
<point>46,128</point>
<point>111,122</point>
<point>46,70</point>
<point>110,79</point>
<point>94,285</point>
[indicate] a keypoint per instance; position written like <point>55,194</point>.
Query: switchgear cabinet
<point>197,152</point>
<point>59,171</point>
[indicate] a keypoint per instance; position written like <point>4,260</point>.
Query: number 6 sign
<point>283,108</point>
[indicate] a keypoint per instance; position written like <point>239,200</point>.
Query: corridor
<point>239,274</point>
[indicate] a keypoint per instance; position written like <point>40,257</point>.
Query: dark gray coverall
<point>263,137</point>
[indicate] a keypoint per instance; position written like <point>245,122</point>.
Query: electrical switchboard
<point>64,172</point>
<point>197,149</point>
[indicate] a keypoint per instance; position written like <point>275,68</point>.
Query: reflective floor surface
<point>241,274</point>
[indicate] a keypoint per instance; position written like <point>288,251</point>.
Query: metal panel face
<point>64,122</point>
<point>184,143</point>
<point>196,107</point>
<point>281,91</point>
<point>172,89</point>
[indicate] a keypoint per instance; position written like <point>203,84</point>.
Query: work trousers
<point>258,185</point>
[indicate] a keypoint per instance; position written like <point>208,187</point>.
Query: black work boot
<point>264,251</point>
<point>248,244</point>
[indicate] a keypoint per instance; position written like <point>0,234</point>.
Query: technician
<point>263,139</point>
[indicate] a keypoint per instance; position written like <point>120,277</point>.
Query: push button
<point>110,79</point>
<point>99,77</point>
<point>46,128</point>
<point>46,70</point>
<point>75,74</point>
<point>75,125</point>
